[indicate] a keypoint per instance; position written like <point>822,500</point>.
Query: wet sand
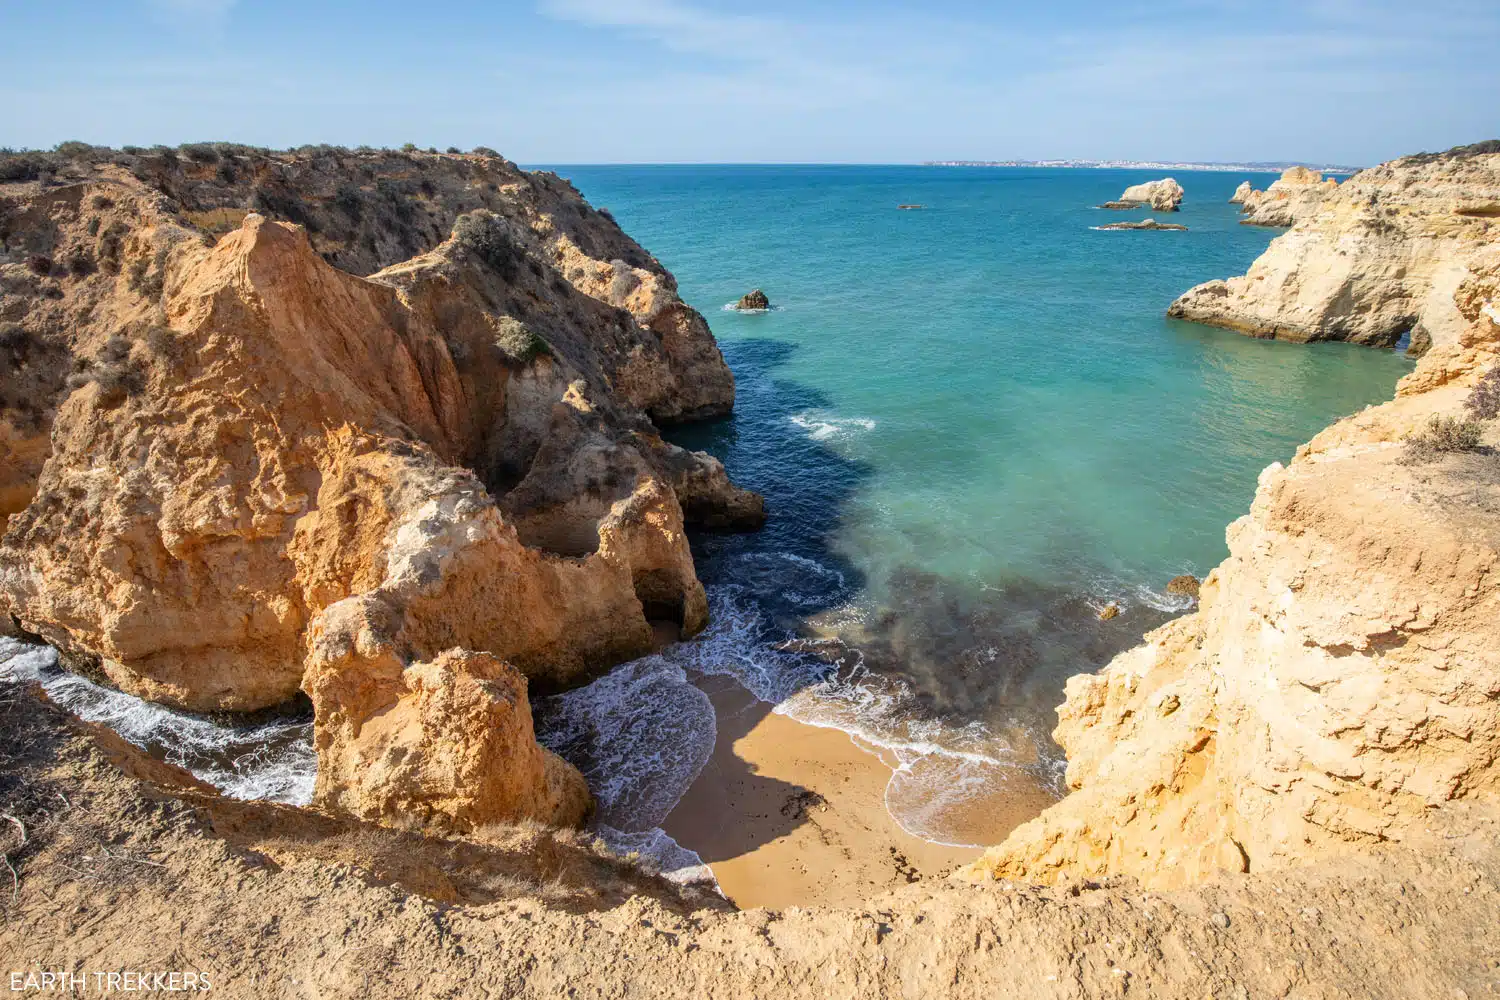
<point>788,814</point>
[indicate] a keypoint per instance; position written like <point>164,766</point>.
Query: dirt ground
<point>129,865</point>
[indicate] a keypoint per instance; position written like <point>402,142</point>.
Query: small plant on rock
<point>1484,402</point>
<point>623,283</point>
<point>516,343</point>
<point>484,235</point>
<point>1442,435</point>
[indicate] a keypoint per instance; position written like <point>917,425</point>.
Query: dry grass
<point>1442,436</point>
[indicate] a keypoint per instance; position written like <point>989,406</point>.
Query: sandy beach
<point>788,814</point>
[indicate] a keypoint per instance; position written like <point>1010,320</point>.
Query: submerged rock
<point>1164,195</point>
<point>1109,611</point>
<point>755,301</point>
<point>1145,224</point>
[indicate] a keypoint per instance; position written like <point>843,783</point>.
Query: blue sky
<point>572,81</point>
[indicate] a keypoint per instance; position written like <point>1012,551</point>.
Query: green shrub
<point>200,152</point>
<point>349,200</point>
<point>408,147</point>
<point>22,167</point>
<point>112,371</point>
<point>80,261</point>
<point>517,344</point>
<point>483,235</point>
<point>1442,436</point>
<point>623,282</point>
<point>110,243</point>
<point>485,151</point>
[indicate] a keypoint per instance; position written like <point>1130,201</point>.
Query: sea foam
<point>271,760</point>
<point>823,427</point>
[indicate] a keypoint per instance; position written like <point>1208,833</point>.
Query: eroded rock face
<point>1341,679</point>
<point>1297,194</point>
<point>1164,195</point>
<point>1380,256</point>
<point>228,440</point>
<point>446,742</point>
<point>1241,193</point>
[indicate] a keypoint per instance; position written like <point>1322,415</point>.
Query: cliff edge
<point>1375,258</point>
<point>241,470</point>
<point>1340,683</point>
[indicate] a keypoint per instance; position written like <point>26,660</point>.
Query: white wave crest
<point>820,427</point>
<point>640,734</point>
<point>674,861</point>
<point>273,760</point>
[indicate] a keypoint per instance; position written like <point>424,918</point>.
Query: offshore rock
<point>1381,257</point>
<point>1185,584</point>
<point>1241,193</point>
<point>755,301</point>
<point>1164,195</point>
<point>1145,224</point>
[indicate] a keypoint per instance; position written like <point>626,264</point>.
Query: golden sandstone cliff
<point>1334,699</point>
<point>1296,194</point>
<point>236,470</point>
<point>1339,685</point>
<point>1376,257</point>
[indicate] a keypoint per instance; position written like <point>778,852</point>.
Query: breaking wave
<point>269,760</point>
<point>821,427</point>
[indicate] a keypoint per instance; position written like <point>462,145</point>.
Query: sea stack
<point>1164,195</point>
<point>1241,193</point>
<point>755,301</point>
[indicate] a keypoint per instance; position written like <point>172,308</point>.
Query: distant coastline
<point>1257,167</point>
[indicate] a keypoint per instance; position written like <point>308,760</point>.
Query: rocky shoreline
<point>410,492</point>
<point>1370,260</point>
<point>268,475</point>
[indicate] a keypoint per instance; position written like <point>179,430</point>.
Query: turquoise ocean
<point>974,428</point>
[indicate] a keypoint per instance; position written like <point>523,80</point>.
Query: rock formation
<point>1164,195</point>
<point>1145,224</point>
<point>228,446</point>
<point>1297,194</point>
<point>755,301</point>
<point>447,742</point>
<point>1186,585</point>
<point>1340,682</point>
<point>1380,258</point>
